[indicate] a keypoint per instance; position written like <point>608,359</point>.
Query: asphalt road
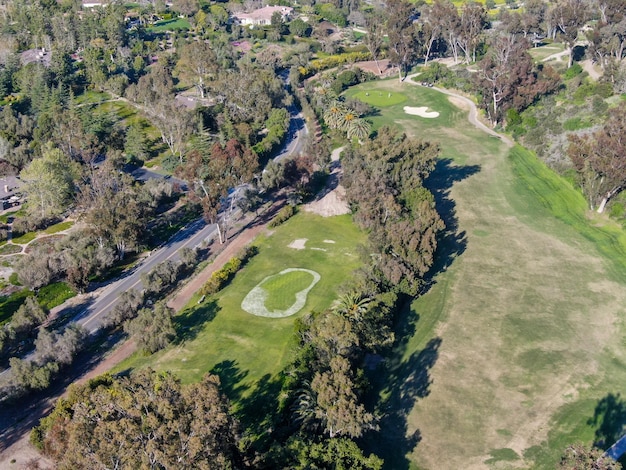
<point>294,144</point>
<point>191,236</point>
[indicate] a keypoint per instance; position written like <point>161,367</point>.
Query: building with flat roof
<point>263,16</point>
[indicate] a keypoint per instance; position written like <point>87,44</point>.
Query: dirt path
<point>590,69</point>
<point>332,201</point>
<point>20,452</point>
<point>473,112</point>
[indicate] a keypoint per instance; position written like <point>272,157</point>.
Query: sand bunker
<point>421,111</point>
<point>298,244</point>
<point>329,241</point>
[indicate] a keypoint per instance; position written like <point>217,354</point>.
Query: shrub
<point>220,278</point>
<point>336,60</point>
<point>283,216</point>
<point>574,70</point>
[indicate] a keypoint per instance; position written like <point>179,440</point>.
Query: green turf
<point>540,53</point>
<point>282,289</point>
<point>169,25</point>
<point>24,239</point>
<point>380,98</point>
<point>506,357</point>
<point>54,294</point>
<point>218,335</point>
<point>56,228</point>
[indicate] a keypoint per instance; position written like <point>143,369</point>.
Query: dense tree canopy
<point>146,420</point>
<point>384,184</point>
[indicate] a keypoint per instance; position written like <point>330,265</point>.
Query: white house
<point>263,16</point>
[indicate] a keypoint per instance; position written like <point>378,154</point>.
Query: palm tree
<point>352,305</point>
<point>347,118</point>
<point>304,408</point>
<point>334,115</point>
<point>358,128</point>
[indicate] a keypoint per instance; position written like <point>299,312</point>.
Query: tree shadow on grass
<point>191,321</point>
<point>609,419</point>
<point>258,411</point>
<point>452,243</point>
<point>231,377</point>
<point>408,381</point>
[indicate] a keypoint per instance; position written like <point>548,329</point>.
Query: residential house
<point>263,16</point>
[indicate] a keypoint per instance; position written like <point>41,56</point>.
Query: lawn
<point>517,349</point>
<point>540,53</point>
<point>169,25</point>
<point>247,350</point>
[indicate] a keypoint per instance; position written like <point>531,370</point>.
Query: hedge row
<point>220,278</point>
<point>334,61</point>
<point>283,216</point>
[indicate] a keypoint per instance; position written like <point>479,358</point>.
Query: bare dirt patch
<point>298,244</point>
<point>459,103</point>
<point>333,198</point>
<point>421,111</point>
<point>333,203</point>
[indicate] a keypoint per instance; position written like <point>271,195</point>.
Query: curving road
<point>473,111</point>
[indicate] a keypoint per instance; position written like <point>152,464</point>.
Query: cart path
<point>473,111</point>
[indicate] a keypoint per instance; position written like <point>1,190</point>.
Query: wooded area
<point>200,102</point>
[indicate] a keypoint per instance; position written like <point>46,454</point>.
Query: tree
<point>402,35</point>
<point>337,405</point>
<point>126,308</point>
<point>508,78</point>
<point>49,183</point>
<point>444,15</point>
<point>114,212</point>
<point>357,129</point>
<point>213,174</point>
<point>431,30</point>
<point>383,181</point>
<point>186,7</point>
<point>197,64</point>
<point>337,453</point>
<point>152,329</point>
<point>579,457</point>
<point>29,316</point>
<point>375,34</point>
<point>473,20</point>
<point>600,160</point>
<point>300,28</point>
<point>147,420</point>
<point>352,305</point>
<point>570,15</point>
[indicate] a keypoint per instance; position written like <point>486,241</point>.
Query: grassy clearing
<point>25,239</point>
<point>169,25</point>
<point>521,337</point>
<point>540,53</point>
<point>248,350</point>
<point>380,99</point>
<point>54,294</point>
<point>56,228</point>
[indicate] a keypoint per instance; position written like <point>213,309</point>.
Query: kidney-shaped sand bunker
<point>255,301</point>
